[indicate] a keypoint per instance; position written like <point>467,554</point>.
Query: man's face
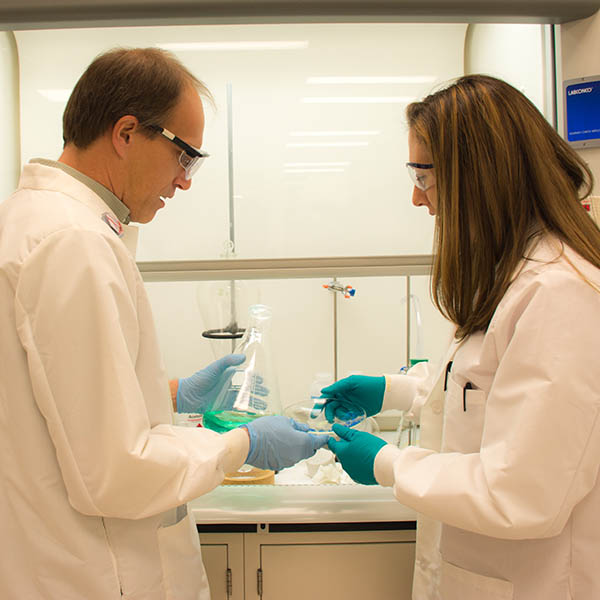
<point>153,169</point>
<point>418,153</point>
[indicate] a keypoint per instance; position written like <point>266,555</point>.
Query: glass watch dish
<point>312,413</point>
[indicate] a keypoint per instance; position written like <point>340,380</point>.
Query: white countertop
<point>299,504</point>
<point>296,498</point>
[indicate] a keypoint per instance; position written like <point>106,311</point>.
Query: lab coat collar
<point>543,249</point>
<point>115,204</point>
<point>39,176</point>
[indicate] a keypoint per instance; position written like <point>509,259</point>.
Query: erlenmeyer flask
<point>252,391</point>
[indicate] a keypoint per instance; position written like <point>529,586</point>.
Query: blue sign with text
<point>583,111</point>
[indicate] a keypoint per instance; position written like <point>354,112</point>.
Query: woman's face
<point>418,153</point>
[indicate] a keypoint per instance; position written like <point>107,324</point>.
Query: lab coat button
<point>437,408</point>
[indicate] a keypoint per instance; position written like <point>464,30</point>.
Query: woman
<point>510,428</point>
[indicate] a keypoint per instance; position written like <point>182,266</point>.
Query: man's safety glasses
<point>421,175</point>
<point>190,159</point>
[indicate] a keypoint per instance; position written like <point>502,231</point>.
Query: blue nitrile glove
<point>280,442</point>
<point>197,392</point>
<point>359,390</point>
<point>357,451</point>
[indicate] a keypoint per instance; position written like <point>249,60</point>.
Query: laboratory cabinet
<point>299,564</point>
<point>223,558</point>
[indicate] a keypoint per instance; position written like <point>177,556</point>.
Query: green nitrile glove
<point>357,451</point>
<point>358,390</point>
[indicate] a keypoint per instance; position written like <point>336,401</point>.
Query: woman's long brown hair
<point>503,175</point>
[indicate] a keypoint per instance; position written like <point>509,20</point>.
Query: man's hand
<point>197,392</point>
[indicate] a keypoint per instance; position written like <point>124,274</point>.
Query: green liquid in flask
<point>226,420</point>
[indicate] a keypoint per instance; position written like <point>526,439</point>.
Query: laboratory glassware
<point>312,413</point>
<point>223,306</point>
<point>320,381</point>
<point>252,392</point>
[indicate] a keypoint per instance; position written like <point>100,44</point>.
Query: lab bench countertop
<point>295,499</point>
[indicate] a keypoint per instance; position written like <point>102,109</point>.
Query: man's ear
<point>122,134</point>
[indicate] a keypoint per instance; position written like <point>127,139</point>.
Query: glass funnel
<point>252,392</point>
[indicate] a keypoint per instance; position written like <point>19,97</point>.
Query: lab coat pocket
<point>184,577</point>
<point>464,415</point>
<point>460,584</point>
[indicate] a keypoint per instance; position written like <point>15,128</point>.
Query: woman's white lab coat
<point>510,451</point>
<point>94,477</point>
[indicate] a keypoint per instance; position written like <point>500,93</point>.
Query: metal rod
<point>408,320</point>
<point>230,164</point>
<point>549,54</point>
<point>553,47</point>
<point>335,335</point>
<point>232,304</point>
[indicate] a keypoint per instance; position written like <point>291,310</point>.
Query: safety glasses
<point>421,175</point>
<point>190,158</point>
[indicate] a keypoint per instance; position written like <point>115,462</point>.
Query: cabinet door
<point>222,555</point>
<point>354,567</point>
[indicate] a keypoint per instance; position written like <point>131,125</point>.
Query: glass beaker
<point>252,391</point>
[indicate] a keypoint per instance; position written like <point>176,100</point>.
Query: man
<point>94,476</point>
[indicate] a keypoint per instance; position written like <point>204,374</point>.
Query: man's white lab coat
<point>94,476</point>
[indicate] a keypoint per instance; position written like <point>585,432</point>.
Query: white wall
<point>511,52</point>
<point>580,53</point>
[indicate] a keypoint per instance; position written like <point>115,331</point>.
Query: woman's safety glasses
<point>190,158</point>
<point>421,175</point>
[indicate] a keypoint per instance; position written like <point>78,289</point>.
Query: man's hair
<point>143,82</point>
<point>503,176</point>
